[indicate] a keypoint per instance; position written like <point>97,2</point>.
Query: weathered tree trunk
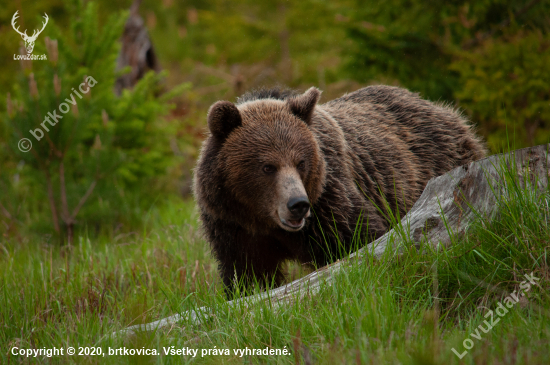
<point>137,51</point>
<point>449,204</point>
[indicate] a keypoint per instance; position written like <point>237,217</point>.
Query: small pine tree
<point>93,153</point>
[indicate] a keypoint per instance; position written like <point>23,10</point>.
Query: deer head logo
<point>29,41</point>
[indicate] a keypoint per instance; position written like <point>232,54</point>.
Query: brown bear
<point>283,178</point>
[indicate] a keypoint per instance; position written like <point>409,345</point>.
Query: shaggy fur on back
<point>376,143</point>
<point>274,93</point>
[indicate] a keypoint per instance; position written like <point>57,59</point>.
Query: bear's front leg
<point>244,259</point>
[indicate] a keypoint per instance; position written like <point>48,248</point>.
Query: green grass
<point>411,308</point>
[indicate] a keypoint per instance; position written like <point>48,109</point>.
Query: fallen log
<point>448,205</point>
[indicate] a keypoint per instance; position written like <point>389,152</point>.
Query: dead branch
<point>5,212</point>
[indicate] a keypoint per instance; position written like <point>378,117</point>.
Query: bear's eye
<point>302,165</point>
<point>269,169</point>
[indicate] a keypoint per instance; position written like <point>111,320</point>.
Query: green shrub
<point>490,55</point>
<point>505,87</point>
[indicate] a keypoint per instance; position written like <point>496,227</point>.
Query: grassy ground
<point>409,309</point>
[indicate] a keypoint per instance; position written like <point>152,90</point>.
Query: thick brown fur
<point>376,143</point>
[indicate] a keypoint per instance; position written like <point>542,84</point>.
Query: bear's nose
<point>298,206</point>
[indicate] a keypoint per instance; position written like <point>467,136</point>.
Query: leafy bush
<point>491,55</point>
<point>505,86</point>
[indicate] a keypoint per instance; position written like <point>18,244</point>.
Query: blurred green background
<point>113,157</point>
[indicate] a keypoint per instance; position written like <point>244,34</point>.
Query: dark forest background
<point>120,152</point>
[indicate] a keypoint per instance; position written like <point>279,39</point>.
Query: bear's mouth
<point>294,224</point>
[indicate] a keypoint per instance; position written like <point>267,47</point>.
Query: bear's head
<point>268,160</point>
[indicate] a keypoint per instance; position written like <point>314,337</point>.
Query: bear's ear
<point>303,105</point>
<point>223,117</point>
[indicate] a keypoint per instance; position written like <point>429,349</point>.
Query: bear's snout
<point>293,206</point>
